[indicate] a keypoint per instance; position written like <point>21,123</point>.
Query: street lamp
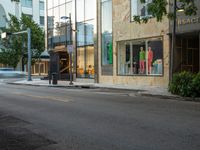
<point>70,46</point>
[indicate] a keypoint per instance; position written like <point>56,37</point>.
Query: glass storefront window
<point>90,61</point>
<point>107,51</point>
<point>80,10</point>
<point>80,34</point>
<point>89,32</point>
<point>139,9</point>
<point>91,4</point>
<point>142,57</point>
<point>81,62</point>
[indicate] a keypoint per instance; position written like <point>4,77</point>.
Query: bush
<point>185,84</point>
<point>196,85</point>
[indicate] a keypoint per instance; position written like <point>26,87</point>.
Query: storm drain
<point>14,136</point>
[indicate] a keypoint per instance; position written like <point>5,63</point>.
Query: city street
<point>47,118</point>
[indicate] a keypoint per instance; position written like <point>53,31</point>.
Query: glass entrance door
<point>190,54</point>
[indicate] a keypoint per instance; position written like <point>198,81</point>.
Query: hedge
<point>185,84</point>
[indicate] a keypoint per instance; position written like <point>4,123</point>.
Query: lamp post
<point>70,46</point>
<point>173,41</point>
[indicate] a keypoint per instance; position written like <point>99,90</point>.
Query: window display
<point>106,27</point>
<point>142,57</point>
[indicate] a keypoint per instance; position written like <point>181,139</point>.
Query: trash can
<point>54,78</point>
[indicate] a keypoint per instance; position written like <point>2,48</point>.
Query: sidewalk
<point>134,90</point>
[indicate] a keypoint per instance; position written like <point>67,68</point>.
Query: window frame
<point>146,40</point>
<point>131,17</point>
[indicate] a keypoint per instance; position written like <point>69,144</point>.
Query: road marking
<point>43,97</point>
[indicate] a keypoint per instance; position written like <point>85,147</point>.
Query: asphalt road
<point>44,118</point>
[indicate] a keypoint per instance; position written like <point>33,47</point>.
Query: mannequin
<point>142,59</point>
<point>150,59</point>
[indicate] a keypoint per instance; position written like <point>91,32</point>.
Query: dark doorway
<point>186,55</point>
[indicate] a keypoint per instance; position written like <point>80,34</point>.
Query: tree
<point>16,45</point>
<point>159,9</point>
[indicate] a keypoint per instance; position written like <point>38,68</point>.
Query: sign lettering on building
<point>188,21</point>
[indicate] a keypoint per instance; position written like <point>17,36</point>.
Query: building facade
<point>32,8</point>
<point>121,51</point>
<point>72,22</point>
<point>187,50</point>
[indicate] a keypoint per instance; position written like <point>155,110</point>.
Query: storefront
<point>187,50</point>
<point>131,53</point>
<point>141,57</point>
<point>83,27</point>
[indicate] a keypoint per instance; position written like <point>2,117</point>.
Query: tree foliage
<point>16,45</point>
<point>158,9</point>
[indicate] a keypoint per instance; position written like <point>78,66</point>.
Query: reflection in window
<point>107,50</point>
<point>143,57</point>
<point>41,5</point>
<point>81,62</point>
<point>41,20</point>
<point>49,4</point>
<point>26,3</point>
<point>80,34</point>
<point>139,9</point>
<point>85,37</point>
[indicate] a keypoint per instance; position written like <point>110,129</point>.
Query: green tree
<point>158,9</point>
<point>16,45</point>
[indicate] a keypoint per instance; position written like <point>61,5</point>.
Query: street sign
<point>70,48</point>
<point>3,35</point>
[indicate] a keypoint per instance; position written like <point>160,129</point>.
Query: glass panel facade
<point>106,27</point>
<point>86,10</point>
<point>80,62</point>
<point>90,61</point>
<point>50,4</point>
<point>139,9</point>
<point>58,30</point>
<point>140,57</point>
<point>80,10</point>
<point>57,27</point>
<point>91,7</point>
<point>26,3</point>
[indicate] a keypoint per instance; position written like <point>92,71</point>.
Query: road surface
<point>46,118</point>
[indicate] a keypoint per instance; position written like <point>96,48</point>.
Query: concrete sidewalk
<point>136,90</point>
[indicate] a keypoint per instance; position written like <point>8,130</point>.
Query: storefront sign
<point>188,21</point>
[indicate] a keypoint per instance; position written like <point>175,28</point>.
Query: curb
<point>136,92</point>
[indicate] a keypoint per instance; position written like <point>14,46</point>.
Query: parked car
<point>11,73</point>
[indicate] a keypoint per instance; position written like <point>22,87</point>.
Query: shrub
<point>182,84</point>
<point>196,85</point>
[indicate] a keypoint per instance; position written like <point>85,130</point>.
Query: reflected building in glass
<point>83,27</point>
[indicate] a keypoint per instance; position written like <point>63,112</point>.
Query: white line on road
<point>43,97</point>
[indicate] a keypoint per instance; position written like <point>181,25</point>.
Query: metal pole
<point>70,53</point>
<point>173,41</point>
<point>29,54</point>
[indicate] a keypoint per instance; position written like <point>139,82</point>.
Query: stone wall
<point>124,29</point>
